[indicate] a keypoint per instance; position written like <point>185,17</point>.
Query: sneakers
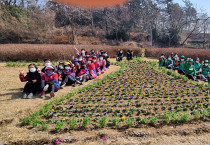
<point>24,96</point>
<point>30,96</point>
<point>62,86</point>
<point>78,82</point>
<point>74,85</point>
<point>52,95</point>
<point>46,88</point>
<point>42,94</point>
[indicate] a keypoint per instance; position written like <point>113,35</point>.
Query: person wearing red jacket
<point>97,66</point>
<point>49,82</point>
<point>91,68</point>
<point>33,79</point>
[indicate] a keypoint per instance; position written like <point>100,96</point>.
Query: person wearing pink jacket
<point>102,63</point>
<point>97,66</point>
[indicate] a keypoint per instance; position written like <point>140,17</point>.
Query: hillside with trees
<point>171,25</point>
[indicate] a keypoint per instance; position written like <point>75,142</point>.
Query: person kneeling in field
<point>169,63</point>
<point>49,82</point>
<point>205,71</point>
<point>190,71</point>
<point>33,85</point>
<point>181,69</point>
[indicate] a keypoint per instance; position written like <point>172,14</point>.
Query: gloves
<point>46,88</point>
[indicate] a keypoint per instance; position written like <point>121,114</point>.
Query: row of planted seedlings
<point>137,94</point>
<point>24,63</point>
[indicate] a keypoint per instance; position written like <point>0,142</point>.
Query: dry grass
<point>37,52</point>
<point>187,52</point>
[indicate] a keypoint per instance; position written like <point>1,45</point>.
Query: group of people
<point>87,66</point>
<point>129,55</point>
<point>192,69</point>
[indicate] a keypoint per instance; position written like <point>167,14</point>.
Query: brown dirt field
<point>13,109</point>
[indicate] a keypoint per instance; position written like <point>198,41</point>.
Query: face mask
<point>101,58</point>
<point>47,64</point>
<point>80,59</point>
<point>67,68</point>
<point>197,61</point>
<point>49,72</point>
<point>120,51</point>
<point>182,59</point>
<point>60,66</point>
<point>89,62</point>
<point>206,64</point>
<point>32,70</point>
<point>169,58</point>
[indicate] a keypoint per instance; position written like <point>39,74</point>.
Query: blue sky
<point>198,4</point>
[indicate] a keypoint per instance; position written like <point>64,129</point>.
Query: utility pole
<point>151,37</point>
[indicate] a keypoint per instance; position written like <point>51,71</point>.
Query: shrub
<point>86,121</point>
<point>116,121</point>
<point>72,123</point>
<point>130,122</point>
<point>103,122</point>
<point>153,120</point>
<point>25,121</point>
<point>167,117</point>
<point>44,126</point>
<point>59,125</point>
<point>37,52</point>
<point>185,117</point>
<point>144,120</point>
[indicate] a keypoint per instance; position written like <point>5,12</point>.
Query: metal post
<point>151,37</point>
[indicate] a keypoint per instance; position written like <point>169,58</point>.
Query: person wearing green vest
<point>205,71</point>
<point>161,60</point>
<point>169,63</point>
<point>190,71</point>
<point>197,65</point>
<point>181,68</point>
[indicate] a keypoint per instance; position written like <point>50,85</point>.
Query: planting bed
<point>136,95</point>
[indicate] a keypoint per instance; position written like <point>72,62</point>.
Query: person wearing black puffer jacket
<point>33,85</point>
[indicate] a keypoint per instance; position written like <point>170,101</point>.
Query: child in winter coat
<point>49,82</point>
<point>33,79</point>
